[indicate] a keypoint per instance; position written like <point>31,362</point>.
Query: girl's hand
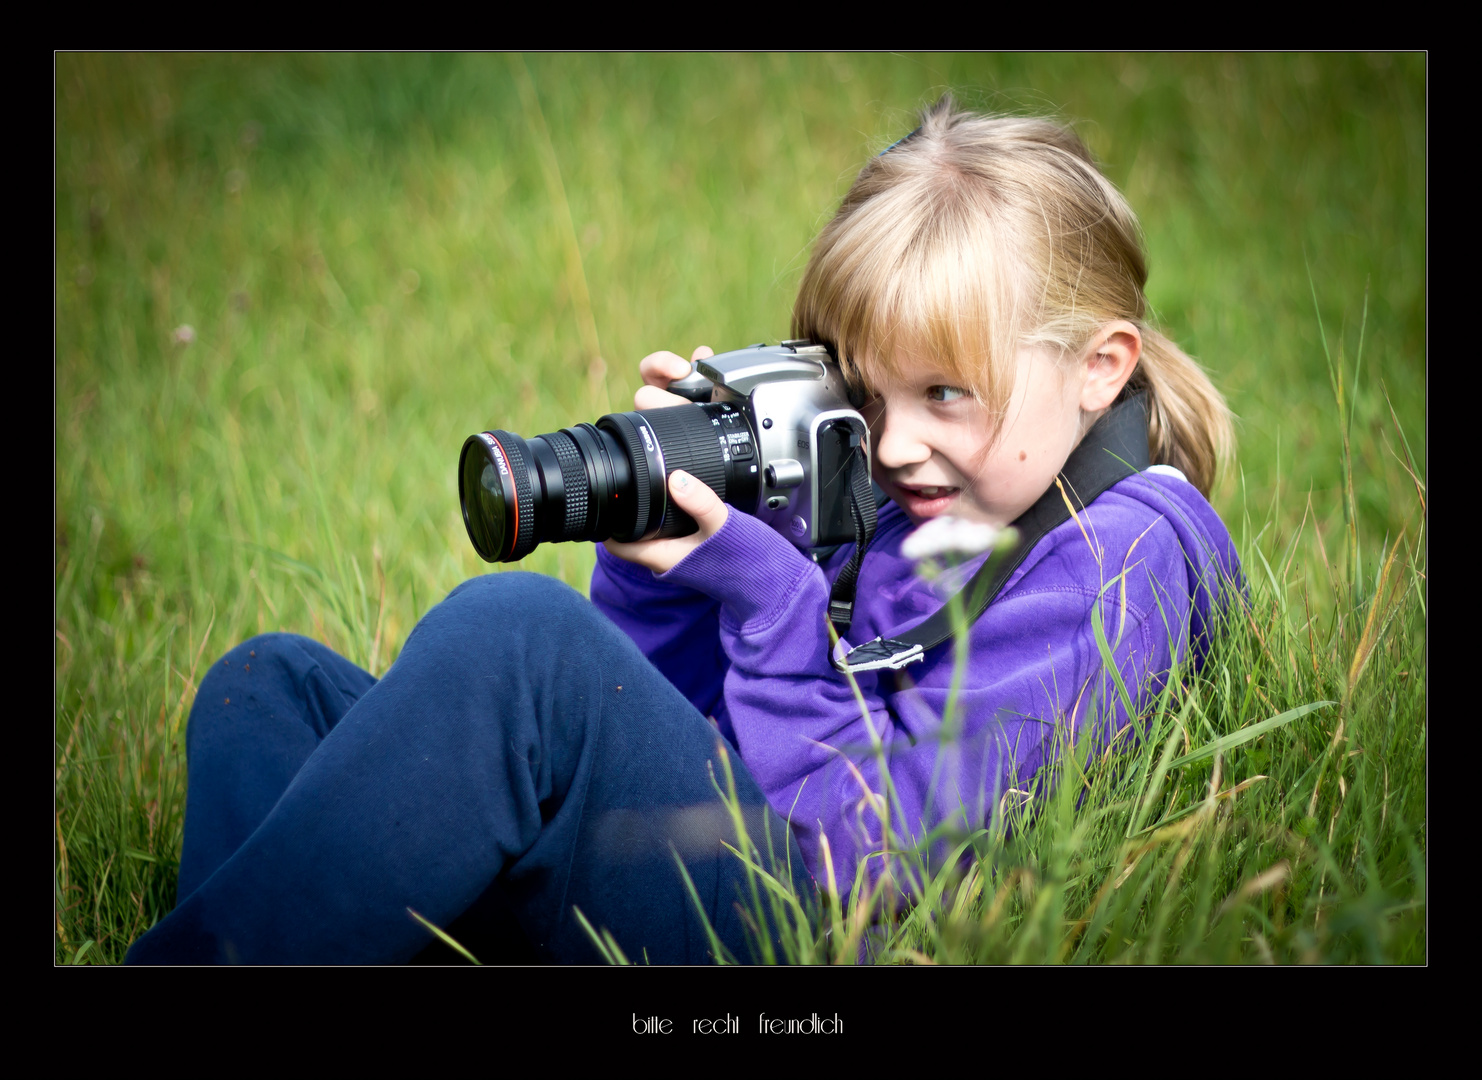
<point>696,500</point>
<point>659,370</point>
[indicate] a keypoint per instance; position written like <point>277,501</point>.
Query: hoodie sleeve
<point>676,627</point>
<point>791,712</point>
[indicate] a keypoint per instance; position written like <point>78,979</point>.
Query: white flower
<point>184,334</point>
<point>949,536</point>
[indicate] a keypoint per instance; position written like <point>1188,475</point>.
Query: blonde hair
<point>975,236</point>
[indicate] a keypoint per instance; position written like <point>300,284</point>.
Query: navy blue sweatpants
<point>521,759</point>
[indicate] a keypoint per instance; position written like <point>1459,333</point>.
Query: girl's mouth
<point>924,501</point>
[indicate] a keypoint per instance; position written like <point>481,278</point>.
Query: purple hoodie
<point>738,627</point>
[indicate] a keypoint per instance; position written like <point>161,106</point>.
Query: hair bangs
<point>913,280</point>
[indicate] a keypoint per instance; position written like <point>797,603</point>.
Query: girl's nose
<point>898,442</point>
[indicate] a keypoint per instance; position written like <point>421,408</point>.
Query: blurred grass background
<point>378,255</point>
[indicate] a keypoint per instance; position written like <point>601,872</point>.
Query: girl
<point>532,757</point>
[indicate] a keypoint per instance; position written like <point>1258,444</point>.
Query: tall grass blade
<point>446,938</point>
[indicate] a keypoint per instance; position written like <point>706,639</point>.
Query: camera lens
<point>595,481</point>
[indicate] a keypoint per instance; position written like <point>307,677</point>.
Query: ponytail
<point>1189,424</point>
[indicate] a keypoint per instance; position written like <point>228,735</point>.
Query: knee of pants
<point>233,670</point>
<point>260,670</point>
<point>516,606</point>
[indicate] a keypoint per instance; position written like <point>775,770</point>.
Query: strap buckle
<point>877,654</point>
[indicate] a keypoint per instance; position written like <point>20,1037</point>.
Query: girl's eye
<point>946,393</point>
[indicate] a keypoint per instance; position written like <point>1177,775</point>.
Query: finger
<point>659,556</point>
<point>640,553</point>
<point>662,368</point>
<point>651,397</point>
<point>631,552</point>
<point>698,501</point>
<point>702,352</point>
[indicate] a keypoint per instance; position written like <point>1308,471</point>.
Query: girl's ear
<point>1110,359</point>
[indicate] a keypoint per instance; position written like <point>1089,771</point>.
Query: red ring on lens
<point>514,491</point>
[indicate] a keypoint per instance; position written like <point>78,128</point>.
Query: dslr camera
<point>770,428</point>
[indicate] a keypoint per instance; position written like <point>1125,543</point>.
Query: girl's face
<point>931,440</point>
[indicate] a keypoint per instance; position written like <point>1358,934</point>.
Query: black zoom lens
<point>595,481</point>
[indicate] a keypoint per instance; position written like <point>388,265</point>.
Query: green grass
<point>379,255</point>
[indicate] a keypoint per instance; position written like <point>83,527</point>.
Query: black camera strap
<point>1115,448</point>
<point>862,508</point>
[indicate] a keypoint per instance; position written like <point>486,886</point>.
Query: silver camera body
<point>797,406</point>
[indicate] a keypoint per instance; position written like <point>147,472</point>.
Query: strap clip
<point>877,654</point>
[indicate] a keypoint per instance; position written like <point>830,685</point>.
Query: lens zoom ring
<point>574,480</point>
<point>519,467</point>
<point>692,443</point>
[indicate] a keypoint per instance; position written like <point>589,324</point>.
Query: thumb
<point>698,501</point>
